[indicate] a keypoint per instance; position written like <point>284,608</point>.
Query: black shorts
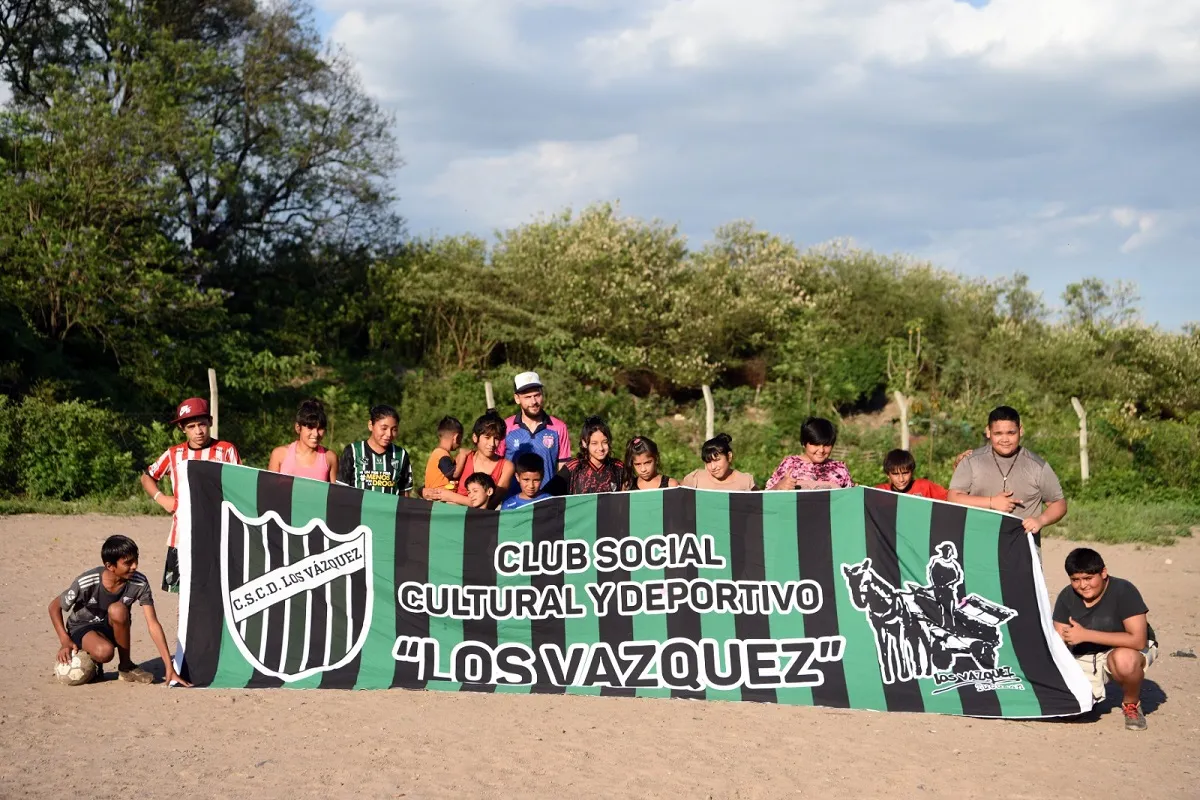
<point>100,626</point>
<point>170,581</point>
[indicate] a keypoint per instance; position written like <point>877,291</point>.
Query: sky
<point>1060,138</point>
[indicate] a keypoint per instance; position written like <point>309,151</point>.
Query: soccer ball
<point>80,669</point>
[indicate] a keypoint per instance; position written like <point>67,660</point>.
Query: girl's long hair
<point>592,425</point>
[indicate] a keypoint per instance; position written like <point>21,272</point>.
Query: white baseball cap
<point>526,381</point>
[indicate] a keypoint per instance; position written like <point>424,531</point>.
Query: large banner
<point>855,598</point>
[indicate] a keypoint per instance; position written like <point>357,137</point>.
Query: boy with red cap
<point>193,419</point>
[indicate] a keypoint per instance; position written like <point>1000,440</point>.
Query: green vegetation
<point>1117,522</point>
<point>121,507</point>
<point>188,184</point>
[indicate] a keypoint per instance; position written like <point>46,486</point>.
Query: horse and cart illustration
<point>923,630</point>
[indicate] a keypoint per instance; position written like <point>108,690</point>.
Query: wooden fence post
<point>903,402</point>
<point>1083,444</point>
<point>212,400</point>
<point>488,396</point>
<point>709,412</point>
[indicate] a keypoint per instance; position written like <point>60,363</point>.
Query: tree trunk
<point>1083,442</point>
<point>709,412</point>
<point>212,400</point>
<point>903,402</point>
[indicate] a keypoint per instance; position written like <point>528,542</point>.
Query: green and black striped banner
<point>856,598</point>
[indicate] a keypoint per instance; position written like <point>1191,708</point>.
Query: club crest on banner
<point>932,630</point>
<point>298,601</point>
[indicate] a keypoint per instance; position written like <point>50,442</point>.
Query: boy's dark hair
<point>481,478</point>
<point>449,425</point>
<point>526,463</point>
<point>638,446</point>
<point>1084,560</point>
<point>719,445</point>
<point>1004,414</point>
<point>819,431</point>
<point>490,423</point>
<point>899,461</point>
<point>383,412</point>
<point>311,414</point>
<point>117,547</point>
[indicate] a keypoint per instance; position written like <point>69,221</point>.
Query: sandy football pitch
<point>119,740</point>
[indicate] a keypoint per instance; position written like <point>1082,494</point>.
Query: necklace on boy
<point>1004,475</point>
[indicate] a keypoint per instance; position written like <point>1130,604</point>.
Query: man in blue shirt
<point>532,430</point>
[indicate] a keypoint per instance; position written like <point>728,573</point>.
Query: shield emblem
<point>547,441</point>
<point>297,600</point>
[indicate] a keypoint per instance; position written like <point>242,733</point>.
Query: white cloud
<point>385,34</point>
<point>1149,227</point>
<point>545,177</point>
<point>1004,34</point>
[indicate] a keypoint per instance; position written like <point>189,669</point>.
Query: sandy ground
<point>115,739</point>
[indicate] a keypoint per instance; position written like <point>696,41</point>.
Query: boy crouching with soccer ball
<point>1102,619</point>
<point>98,605</point>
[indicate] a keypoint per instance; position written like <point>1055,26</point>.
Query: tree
<point>277,143</point>
<point>1020,304</point>
<point>1096,305</point>
<point>46,42</point>
<point>86,267</point>
<point>747,290</point>
<point>269,138</point>
<point>442,295</point>
<point>606,298</point>
<point>167,161</point>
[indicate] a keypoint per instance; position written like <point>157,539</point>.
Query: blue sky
<point>1053,137</point>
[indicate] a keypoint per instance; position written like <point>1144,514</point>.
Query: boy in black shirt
<point>1103,620</point>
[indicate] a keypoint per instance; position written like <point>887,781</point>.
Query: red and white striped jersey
<point>168,464</point>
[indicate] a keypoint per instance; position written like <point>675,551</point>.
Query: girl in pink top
<point>812,469</point>
<point>305,457</point>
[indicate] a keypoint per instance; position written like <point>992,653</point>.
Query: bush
<point>8,444</point>
<point>257,431</point>
<point>62,450</point>
<point>150,441</point>
<point>70,450</point>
